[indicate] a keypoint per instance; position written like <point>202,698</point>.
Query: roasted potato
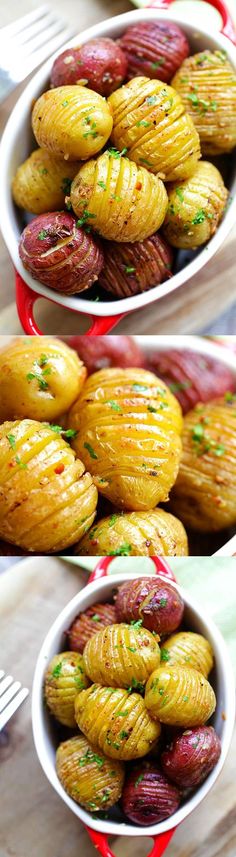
<point>192,377</point>
<point>147,796</point>
<point>179,696</point>
<point>151,123</point>
<point>116,721</point>
<point>129,427</point>
<point>101,352</point>
<point>42,182</point>
<point>39,379</point>
<point>65,678</point>
<point>195,207</point>
<point>206,83</point>
<point>191,756</point>
<point>120,200</point>
<point>99,64</point>
<point>154,48</point>
<point>152,533</point>
<point>189,649</point>
<point>205,491</point>
<point>91,779</point>
<point>120,654</point>
<point>86,624</point>
<point>133,268</point>
<point>72,122</point>
<point>47,500</point>
<point>155,603</point>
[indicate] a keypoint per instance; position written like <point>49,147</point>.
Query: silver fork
<point>26,43</point>
<point>11,697</point>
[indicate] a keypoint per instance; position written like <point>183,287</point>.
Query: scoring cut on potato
<point>65,678</point>
<point>91,779</point>
<point>179,696</point>
<point>152,533</point>
<point>191,756</point>
<point>122,728</point>
<point>189,649</point>
<point>42,182</point>
<point>148,797</point>
<point>72,122</point>
<point>88,623</point>
<point>129,427</point>
<point>120,654</point>
<point>195,207</point>
<point>154,48</point>
<point>156,603</point>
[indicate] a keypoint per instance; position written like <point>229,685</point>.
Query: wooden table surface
<point>195,306</point>
<point>34,820</point>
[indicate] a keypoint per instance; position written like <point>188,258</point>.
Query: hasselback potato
<point>129,428</point>
<point>99,64</point>
<point>72,122</point>
<point>120,200</point>
<point>116,721</point>
<point>101,352</point>
<point>155,602</point>
<point>206,83</point>
<point>191,756</point>
<point>86,624</point>
<point>179,696</point>
<point>47,500</point>
<point>150,122</point>
<point>65,678</point>
<point>195,207</point>
<point>205,491</point>
<point>147,796</point>
<point>190,649</point>
<point>192,377</point>
<point>38,380</point>
<point>120,653</point>
<point>154,48</point>
<point>91,779</point>
<point>133,268</point>
<point>42,182</point>
<point>152,533</point>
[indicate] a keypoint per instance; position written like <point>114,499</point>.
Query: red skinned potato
<point>87,624</point>
<point>192,377</point>
<point>191,756</point>
<point>99,64</point>
<point>154,49</point>
<point>133,268</point>
<point>59,254</point>
<point>147,796</point>
<point>156,602</point>
<point>102,352</point>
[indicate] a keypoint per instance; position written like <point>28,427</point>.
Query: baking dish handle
<point>228,28</point>
<point>101,569</point>
<point>26,298</point>
<point>100,842</point>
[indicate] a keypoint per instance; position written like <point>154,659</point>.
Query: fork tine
<point>39,26</point>
<point>12,690</point>
<point>5,683</point>
<point>43,37</point>
<point>16,26</point>
<point>2,673</point>
<point>12,707</point>
<point>39,56</point>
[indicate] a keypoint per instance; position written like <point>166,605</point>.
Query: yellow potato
<point>47,501</point>
<point>119,654</point>
<point>91,779</point>
<point>120,200</point>
<point>72,122</point>
<point>151,123</point>
<point>189,649</point>
<point>116,721</point>
<point>206,83</point>
<point>65,678</point>
<point>42,182</point>
<point>152,533</point>
<point>178,696</point>
<point>195,207</point>
<point>205,492</point>
<point>129,426</point>
<point>39,378</point>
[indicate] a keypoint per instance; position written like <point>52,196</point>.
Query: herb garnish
<point>136,624</point>
<point>57,670</point>
<point>165,655</point>
<point>114,405</point>
<point>123,550</point>
<point>135,685</point>
<point>91,451</point>
<point>66,186</point>
<point>42,234</point>
<point>142,123</point>
<point>129,269</point>
<point>114,153</point>
<point>68,433</point>
<point>11,439</point>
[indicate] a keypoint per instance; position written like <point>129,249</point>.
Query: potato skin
<point>99,64</point>
<point>86,624</point>
<point>129,432</point>
<point>152,533</point>
<point>147,796</point>
<point>39,381</point>
<point>195,208</point>
<point>120,653</point>
<point>156,602</point>
<point>191,756</point>
<point>101,352</point>
<point>72,122</point>
<point>154,48</point>
<point>150,121</point>
<point>59,254</point>
<point>206,83</point>
<point>189,649</point>
<point>87,776</point>
<point>42,182</point>
<point>126,735</point>
<point>179,696</point>
<point>64,679</point>
<point>134,213</point>
<point>47,500</point>
<point>205,491</point>
<point>133,268</point>
<point>192,377</point>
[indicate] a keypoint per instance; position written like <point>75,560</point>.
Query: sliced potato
<point>42,182</point>
<point>91,779</point>
<point>72,122</point>
<point>195,207</point>
<point>116,721</point>
<point>152,533</point>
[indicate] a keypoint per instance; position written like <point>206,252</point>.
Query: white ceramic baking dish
<point>17,142</point>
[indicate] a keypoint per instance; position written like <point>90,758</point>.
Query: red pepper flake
<point>138,186</point>
<point>59,469</point>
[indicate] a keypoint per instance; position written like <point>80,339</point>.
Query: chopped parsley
<point>57,670</point>
<point>87,215</point>
<point>123,550</point>
<point>165,655</point>
<point>21,463</point>
<point>36,375</point>
<point>11,439</point>
<point>136,624</point>
<point>43,171</point>
<point>139,388</point>
<point>113,520</point>
<point>157,64</point>
<point>114,405</point>
<point>142,123</point>
<point>199,217</point>
<point>121,713</point>
<point>185,698</point>
<point>129,269</point>
<point>179,192</point>
<point>139,780</point>
<point>151,409</point>
<point>64,103</point>
<point>145,161</point>
<point>176,386</point>
<point>204,443</point>
<point>162,602</point>
<point>151,99</point>
<point>66,186</point>
<point>102,184</point>
<point>135,685</point>
<point>68,433</point>
<point>96,618</point>
<point>91,757</point>
<point>123,734</point>
<point>91,451</point>
<point>114,153</point>
<point>42,234</point>
<point>131,649</point>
